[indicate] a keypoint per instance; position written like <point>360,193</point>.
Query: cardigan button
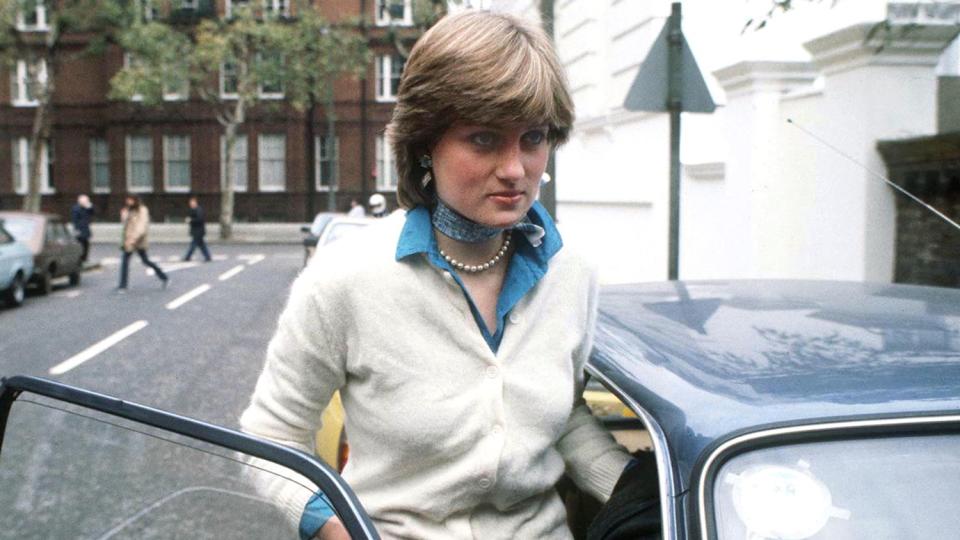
<point>515,317</point>
<point>492,372</point>
<point>484,483</point>
<point>448,277</point>
<point>496,430</point>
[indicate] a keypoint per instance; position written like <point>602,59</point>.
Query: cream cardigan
<point>447,439</point>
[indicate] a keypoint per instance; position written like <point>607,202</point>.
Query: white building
<point>761,197</point>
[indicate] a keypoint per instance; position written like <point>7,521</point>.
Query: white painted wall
<point>784,205</point>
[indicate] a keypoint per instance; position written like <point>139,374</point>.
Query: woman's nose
<point>511,164</point>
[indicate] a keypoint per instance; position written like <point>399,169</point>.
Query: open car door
<point>78,464</point>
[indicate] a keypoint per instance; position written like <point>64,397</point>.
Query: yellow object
<point>329,436</point>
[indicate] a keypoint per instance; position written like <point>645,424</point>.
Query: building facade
<point>779,182</point>
<point>109,148</point>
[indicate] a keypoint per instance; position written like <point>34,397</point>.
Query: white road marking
<point>173,258</point>
<point>252,259</point>
<point>97,348</point>
<point>188,297</point>
<point>107,261</point>
<point>67,294</point>
<point>219,257</point>
<point>231,272</point>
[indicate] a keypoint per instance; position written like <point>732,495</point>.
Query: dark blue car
<point>775,410</point>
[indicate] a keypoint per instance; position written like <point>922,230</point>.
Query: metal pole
<point>331,145</point>
<point>548,193</point>
<point>675,105</point>
<point>311,161</point>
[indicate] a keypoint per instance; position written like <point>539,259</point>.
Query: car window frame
<point>669,497</point>
<point>348,508</point>
<point>5,237</point>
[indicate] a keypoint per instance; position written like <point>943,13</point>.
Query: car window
<point>52,234</point>
<point>70,471</point>
<point>5,237</point>
<point>21,229</point>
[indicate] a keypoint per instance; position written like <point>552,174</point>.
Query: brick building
<point>108,148</point>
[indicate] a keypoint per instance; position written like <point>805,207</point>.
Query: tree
<point>255,56</point>
<point>32,49</point>
<point>319,53</point>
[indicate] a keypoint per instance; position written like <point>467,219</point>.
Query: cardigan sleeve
<point>594,460</point>
<point>304,367</point>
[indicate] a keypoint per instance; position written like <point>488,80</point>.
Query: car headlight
<point>783,503</point>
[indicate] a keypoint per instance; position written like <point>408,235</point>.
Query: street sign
<point>650,89</point>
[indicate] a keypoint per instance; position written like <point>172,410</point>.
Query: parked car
<point>775,409</point>
<point>56,253</point>
<point>326,228</point>
<point>16,266</point>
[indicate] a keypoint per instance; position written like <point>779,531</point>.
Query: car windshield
<point>21,229</point>
<point>844,489</point>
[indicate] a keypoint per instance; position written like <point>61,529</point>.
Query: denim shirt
<point>527,264</point>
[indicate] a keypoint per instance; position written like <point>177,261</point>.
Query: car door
<point>78,464</point>
<point>53,247</point>
<point>7,257</point>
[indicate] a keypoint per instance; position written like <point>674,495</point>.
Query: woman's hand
<point>333,529</point>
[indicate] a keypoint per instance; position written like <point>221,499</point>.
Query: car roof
<point>29,215</point>
<point>709,360</point>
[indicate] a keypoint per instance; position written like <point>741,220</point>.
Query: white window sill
<point>25,103</point>
<point>271,96</point>
<point>176,189</point>
<point>100,190</point>
<point>386,99</point>
<point>272,189</point>
<point>133,189</point>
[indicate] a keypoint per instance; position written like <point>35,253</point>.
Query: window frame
<point>20,167</point>
<point>40,10</point>
<point>167,186</point>
<point>385,162</point>
<point>379,6</point>
<point>320,157</point>
<point>129,164</point>
<point>20,83</point>
<point>97,160</point>
<point>384,79</point>
<point>223,77</point>
<point>262,163</point>
<point>242,138</point>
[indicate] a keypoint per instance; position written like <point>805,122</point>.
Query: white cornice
<point>753,76</point>
<point>868,44</point>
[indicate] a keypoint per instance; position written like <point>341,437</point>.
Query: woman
<point>457,334</point>
<point>135,218</point>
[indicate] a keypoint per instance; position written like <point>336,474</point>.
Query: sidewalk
<point>178,233</point>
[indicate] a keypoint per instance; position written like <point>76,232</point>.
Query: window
<point>239,162</point>
<point>188,4</point>
<point>178,88</point>
<point>279,8</point>
<point>139,163</point>
<point>150,11</point>
<point>272,151</point>
<point>386,169</point>
<point>327,155</point>
<point>32,16</point>
<point>176,163</point>
<point>394,12</point>
<point>389,69</point>
<point>23,165</point>
<point>99,166</point>
<point>228,80</point>
<point>25,80</point>
<point>271,86</point>
<point>234,4</point>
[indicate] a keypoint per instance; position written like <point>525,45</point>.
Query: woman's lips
<point>507,197</point>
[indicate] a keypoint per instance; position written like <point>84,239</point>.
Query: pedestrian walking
<point>198,229</point>
<point>356,209</point>
<point>81,215</point>
<point>135,218</point>
<point>457,333</point>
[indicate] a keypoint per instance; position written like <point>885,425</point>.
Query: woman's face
<point>490,174</point>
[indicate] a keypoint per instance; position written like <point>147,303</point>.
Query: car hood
<point>708,360</point>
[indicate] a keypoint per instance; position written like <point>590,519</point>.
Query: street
<point>194,349</point>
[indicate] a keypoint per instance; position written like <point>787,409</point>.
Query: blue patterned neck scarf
<point>459,227</point>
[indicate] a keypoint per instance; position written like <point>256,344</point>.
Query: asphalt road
<point>194,349</point>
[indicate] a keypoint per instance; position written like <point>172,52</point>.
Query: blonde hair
<point>476,67</point>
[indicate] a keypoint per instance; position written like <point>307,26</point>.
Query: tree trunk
<point>226,187</point>
<point>39,133</point>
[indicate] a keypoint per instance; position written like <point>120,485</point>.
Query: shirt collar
<point>417,235</point>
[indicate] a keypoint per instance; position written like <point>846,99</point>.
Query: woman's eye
<point>534,137</point>
<point>484,138</point>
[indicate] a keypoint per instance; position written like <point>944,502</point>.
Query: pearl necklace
<point>480,267</point>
